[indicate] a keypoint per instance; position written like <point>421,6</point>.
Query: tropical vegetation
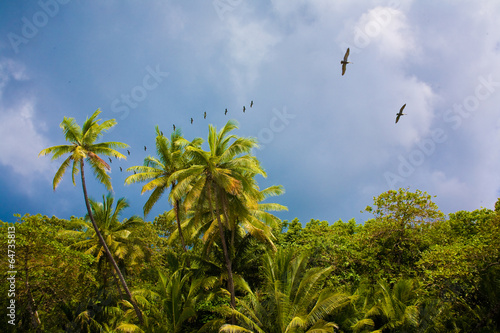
<point>218,259</point>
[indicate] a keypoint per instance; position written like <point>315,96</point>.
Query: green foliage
<point>220,261</point>
<point>293,298</point>
<point>398,234</point>
<point>49,273</point>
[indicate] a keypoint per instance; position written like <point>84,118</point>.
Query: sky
<point>330,140</point>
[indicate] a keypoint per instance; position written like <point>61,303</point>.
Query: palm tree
<point>83,148</point>
<point>215,175</point>
<point>292,300</point>
<point>247,218</point>
<point>173,301</point>
<point>389,309</point>
<point>171,158</point>
<point>119,236</point>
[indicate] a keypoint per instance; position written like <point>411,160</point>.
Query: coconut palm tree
<point>156,171</point>
<point>246,217</point>
<point>216,174</point>
<point>83,148</point>
<point>119,236</point>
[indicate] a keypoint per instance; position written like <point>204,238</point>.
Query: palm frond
<point>60,172</point>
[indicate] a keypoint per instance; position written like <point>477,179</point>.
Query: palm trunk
<point>233,229</point>
<point>106,249</point>
<point>181,236</point>
<point>230,280</point>
<point>183,243</point>
<point>117,282</point>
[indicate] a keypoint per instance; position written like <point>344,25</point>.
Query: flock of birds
<point>343,62</point>
<point>344,67</point>
<point>173,125</point>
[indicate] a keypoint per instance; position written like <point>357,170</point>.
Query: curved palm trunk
<point>230,281</point>
<point>106,249</point>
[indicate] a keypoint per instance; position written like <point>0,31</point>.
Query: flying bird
<point>205,115</point>
<point>121,169</point>
<point>191,120</point>
<point>251,103</point>
<point>400,113</point>
<point>128,152</point>
<point>244,109</point>
<point>345,62</point>
<point>145,148</point>
<point>225,112</point>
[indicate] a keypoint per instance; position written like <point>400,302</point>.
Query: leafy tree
<point>83,148</point>
<point>397,235</point>
<point>462,269</point>
<point>329,245</point>
<point>49,273</point>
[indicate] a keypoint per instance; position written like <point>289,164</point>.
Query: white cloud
<point>20,142</point>
<point>9,70</point>
<point>249,46</point>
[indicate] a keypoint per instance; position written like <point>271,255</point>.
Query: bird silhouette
<point>225,112</point>
<point>145,148</point>
<point>110,161</point>
<point>128,152</point>
<point>174,127</point>
<point>205,115</point>
<point>244,109</point>
<point>398,115</point>
<point>251,103</point>
<point>345,62</point>
<point>121,169</point>
<point>191,120</point>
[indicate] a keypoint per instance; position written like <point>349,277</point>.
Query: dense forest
<point>219,260</point>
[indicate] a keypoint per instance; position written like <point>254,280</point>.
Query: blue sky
<point>330,140</point>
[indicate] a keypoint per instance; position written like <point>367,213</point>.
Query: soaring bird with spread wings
<point>400,113</point>
<point>345,62</point>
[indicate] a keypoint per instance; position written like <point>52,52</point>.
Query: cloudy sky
<point>330,140</point>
